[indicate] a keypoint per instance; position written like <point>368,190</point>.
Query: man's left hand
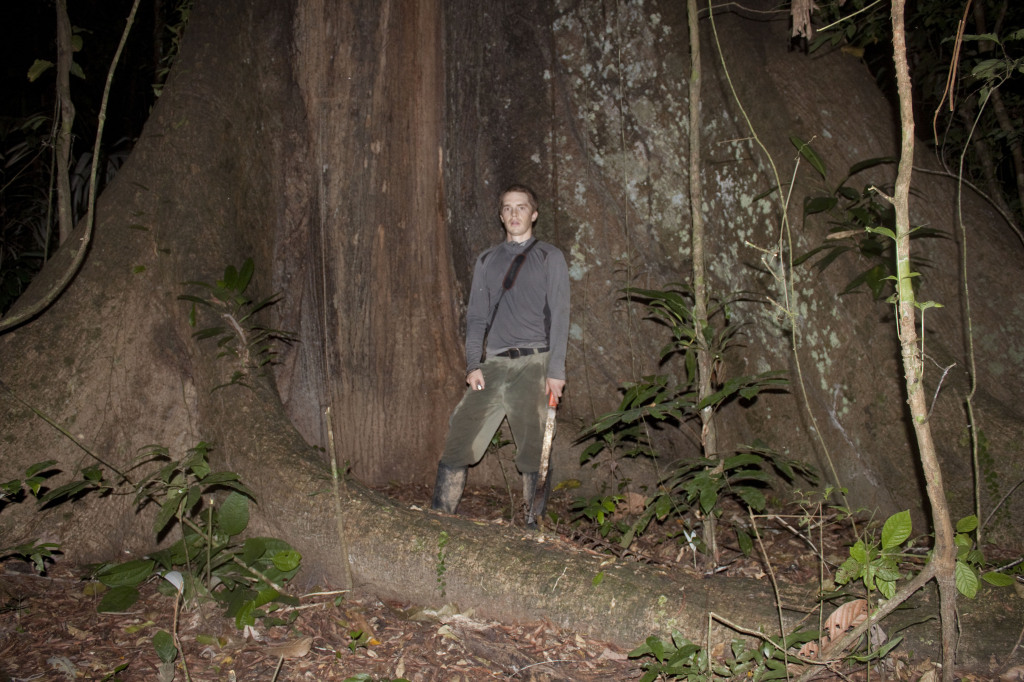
<point>555,387</point>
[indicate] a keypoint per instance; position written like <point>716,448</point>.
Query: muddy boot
<point>448,488</point>
<point>536,501</point>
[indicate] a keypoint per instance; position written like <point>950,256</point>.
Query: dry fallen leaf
<point>633,503</point>
<point>848,616</point>
<point>294,649</point>
<point>1015,674</point>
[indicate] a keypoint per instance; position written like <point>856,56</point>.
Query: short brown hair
<point>520,188</point>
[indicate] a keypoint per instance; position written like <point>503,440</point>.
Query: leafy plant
<point>658,398</point>
<point>599,510</point>
<point>237,333</point>
<point>244,575</point>
<point>700,483</point>
<point>16,490</point>
<point>177,32</point>
<point>876,563</point>
<point>679,658</point>
<point>862,226</point>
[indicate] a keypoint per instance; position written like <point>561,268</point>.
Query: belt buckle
<point>514,353</point>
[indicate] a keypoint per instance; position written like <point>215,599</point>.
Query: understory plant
<point>18,490</point>
<point>662,400</point>
<point>679,658</point>
<point>875,562</point>
<point>861,226</point>
<point>238,335</point>
<point>210,511</point>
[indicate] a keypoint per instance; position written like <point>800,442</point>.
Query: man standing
<point>517,330</point>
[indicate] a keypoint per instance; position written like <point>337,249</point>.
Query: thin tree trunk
<point>65,120</point>
<point>944,556</point>
<point>708,433</point>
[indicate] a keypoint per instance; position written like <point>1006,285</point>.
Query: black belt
<point>520,352</point>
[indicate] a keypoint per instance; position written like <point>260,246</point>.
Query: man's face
<point>518,216</point>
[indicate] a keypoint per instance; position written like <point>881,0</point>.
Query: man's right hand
<point>475,379</point>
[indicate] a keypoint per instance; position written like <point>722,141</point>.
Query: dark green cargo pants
<point>514,388</point>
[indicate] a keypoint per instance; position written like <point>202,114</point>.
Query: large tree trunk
<point>358,163</point>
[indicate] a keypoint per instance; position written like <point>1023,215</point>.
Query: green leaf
<point>997,579</point>
<point>233,514</point>
<point>264,597</point>
<point>885,231</point>
<point>896,530</point>
<point>808,153</point>
<point>287,560</point>
<point>859,552</point>
<point>598,579</point>
<point>118,599</point>
<point>752,497</point>
<point>814,205</point>
<point>246,615</point>
<point>168,510</point>
<point>869,163</point>
<point>745,542</point>
<point>38,467</point>
<point>68,490</point>
<point>128,573</point>
<point>966,578</point>
<point>967,524</point>
<point>708,495</point>
<point>253,550</point>
<point>244,275</point>
<point>164,645</point>
<point>38,68</point>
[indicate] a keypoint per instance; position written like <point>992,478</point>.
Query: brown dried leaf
<point>849,615</point>
<point>1015,674</point>
<point>294,649</point>
<point>633,503</point>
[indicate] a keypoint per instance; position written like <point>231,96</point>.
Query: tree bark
<point>945,551</point>
<point>65,121</point>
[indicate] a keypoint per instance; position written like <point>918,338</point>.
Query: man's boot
<point>536,501</point>
<point>448,488</point>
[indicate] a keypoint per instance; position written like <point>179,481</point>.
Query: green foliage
<point>28,231</point>
<point>660,398</point>
<point>163,642</point>
<point>957,116</point>
<point>703,483</point>
<point>679,658</point>
<point>876,563</point>
<point>498,441</point>
<point>358,639</point>
<point>862,226</point>
<point>210,560</point>
<point>599,510</point>
<point>236,331</point>
<point>17,490</point>
<point>26,228</point>
<point>41,66</point>
<point>176,32</point>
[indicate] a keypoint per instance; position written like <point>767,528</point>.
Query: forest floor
<point>50,629</point>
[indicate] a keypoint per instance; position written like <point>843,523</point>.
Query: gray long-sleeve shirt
<point>534,313</point>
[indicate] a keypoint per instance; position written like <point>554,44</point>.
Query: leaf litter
<point>50,630</point>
